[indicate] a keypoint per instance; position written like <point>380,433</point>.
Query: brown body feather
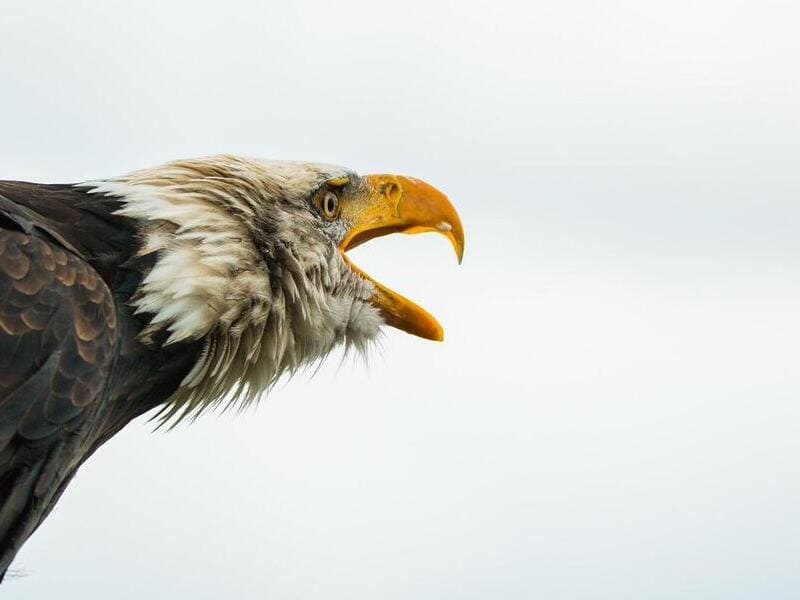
<point>68,342</point>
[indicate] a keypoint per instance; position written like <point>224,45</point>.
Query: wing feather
<point>57,341</point>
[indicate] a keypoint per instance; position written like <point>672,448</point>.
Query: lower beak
<point>397,204</point>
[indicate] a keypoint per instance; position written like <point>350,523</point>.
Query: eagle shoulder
<point>58,330</point>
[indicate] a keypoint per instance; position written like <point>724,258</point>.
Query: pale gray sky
<point>614,412</point>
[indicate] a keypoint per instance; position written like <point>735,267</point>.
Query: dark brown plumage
<point>60,255</point>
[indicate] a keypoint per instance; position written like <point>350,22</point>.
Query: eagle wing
<point>58,332</point>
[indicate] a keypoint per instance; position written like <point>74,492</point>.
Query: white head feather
<point>241,265</point>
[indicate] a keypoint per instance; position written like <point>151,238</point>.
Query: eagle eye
<point>330,205</point>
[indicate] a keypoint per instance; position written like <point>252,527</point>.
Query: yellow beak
<point>397,204</point>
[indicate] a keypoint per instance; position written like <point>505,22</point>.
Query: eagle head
<point>249,257</point>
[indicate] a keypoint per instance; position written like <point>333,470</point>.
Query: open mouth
<point>397,204</point>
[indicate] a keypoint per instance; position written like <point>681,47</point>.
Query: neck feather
<point>262,307</point>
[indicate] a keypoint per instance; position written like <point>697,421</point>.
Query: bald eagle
<point>177,288</point>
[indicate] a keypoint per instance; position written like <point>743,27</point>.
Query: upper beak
<point>397,204</point>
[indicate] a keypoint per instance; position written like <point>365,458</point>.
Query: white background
<point>614,412</point>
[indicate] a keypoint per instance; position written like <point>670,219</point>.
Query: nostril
<point>390,189</point>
